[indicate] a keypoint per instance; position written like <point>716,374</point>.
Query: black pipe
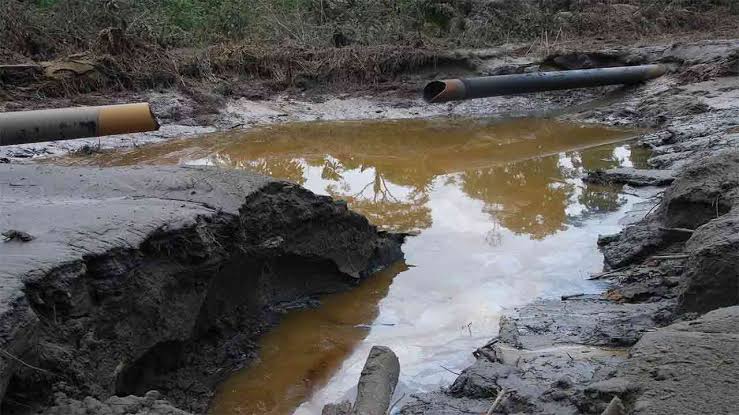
<point>489,86</point>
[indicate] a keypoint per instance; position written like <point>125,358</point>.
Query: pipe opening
<point>433,90</point>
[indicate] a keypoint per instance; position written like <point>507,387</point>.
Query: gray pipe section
<point>69,123</point>
<point>489,86</point>
<point>377,382</point>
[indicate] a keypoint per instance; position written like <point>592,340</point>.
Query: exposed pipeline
<point>489,86</point>
<point>23,127</point>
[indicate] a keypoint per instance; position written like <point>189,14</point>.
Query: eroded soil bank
<point>121,281</point>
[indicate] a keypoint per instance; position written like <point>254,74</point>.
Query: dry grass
<point>364,64</point>
<point>151,43</point>
<point>43,29</point>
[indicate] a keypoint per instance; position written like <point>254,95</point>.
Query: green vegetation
<point>46,27</point>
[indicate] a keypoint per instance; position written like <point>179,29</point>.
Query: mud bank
<point>677,95</point>
<point>187,115</point>
<point>646,340</point>
<point>124,280</point>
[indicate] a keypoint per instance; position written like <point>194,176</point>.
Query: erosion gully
<point>500,217</point>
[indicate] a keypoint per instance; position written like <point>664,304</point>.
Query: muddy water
<point>502,218</point>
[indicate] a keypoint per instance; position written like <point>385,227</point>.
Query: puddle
<point>502,218</point>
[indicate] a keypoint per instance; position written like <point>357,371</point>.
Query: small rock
<point>13,234</point>
<point>616,386</point>
<point>563,383</point>
<point>607,239</point>
<point>616,407</point>
<point>558,395</point>
<point>153,395</point>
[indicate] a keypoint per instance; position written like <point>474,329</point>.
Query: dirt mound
<point>712,274</point>
<point>704,190</point>
<point>150,404</point>
<point>634,243</point>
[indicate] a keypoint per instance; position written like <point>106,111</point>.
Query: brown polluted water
<point>501,216</point>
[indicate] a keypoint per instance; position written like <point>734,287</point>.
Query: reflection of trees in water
<point>595,158</point>
<point>287,169</point>
<point>528,197</point>
<point>598,198</point>
<point>395,216</point>
<point>332,169</point>
<point>281,168</point>
<point>639,156</point>
<point>379,188</point>
<point>531,197</point>
<point>376,201</point>
<point>493,237</point>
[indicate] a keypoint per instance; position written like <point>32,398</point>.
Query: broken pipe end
<point>126,119</point>
<point>444,91</point>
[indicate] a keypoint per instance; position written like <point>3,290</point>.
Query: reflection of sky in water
<point>466,266</point>
<point>465,269</point>
<point>492,237</point>
<point>502,214</point>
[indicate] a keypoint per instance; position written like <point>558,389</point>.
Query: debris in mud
<point>549,357</point>
<point>87,150</point>
<point>12,234</point>
<point>161,277</point>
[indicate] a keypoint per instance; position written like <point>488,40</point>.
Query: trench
<point>500,217</point>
